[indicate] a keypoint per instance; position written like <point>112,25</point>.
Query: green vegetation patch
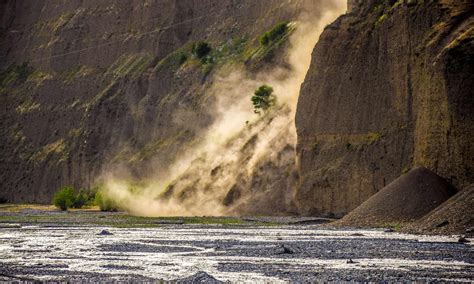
<point>58,148</point>
<point>381,19</point>
<point>263,99</point>
<point>175,59</point>
<point>77,72</point>
<point>206,55</point>
<point>64,198</point>
<point>275,34</point>
<point>38,77</point>
<point>27,107</point>
<point>373,137</point>
<point>396,5</point>
<point>397,227</point>
<point>201,49</point>
<point>104,202</point>
<point>121,220</point>
<point>15,74</point>
<point>271,40</point>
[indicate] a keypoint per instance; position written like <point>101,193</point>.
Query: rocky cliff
<point>390,88</point>
<point>87,85</point>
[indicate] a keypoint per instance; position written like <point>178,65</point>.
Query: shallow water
<point>230,253</point>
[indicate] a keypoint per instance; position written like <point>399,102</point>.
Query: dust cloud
<point>245,163</point>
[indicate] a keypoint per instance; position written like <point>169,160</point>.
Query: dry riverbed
<point>42,244</point>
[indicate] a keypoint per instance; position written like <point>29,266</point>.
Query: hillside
<point>149,102</point>
<point>88,88</point>
<point>389,89</point>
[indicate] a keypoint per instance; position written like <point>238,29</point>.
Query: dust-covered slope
<point>245,162</point>
<point>88,87</point>
<point>389,88</point>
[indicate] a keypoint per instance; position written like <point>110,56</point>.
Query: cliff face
<point>390,88</point>
<point>83,84</point>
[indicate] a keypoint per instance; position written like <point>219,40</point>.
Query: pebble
<point>286,250</point>
<point>463,239</point>
<point>105,233</point>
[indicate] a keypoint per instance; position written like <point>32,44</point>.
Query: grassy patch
<point>373,137</point>
<point>58,148</point>
<point>397,227</point>
<point>396,5</point>
<point>92,217</point>
<point>38,77</point>
<point>15,74</point>
<point>77,72</point>
<point>406,170</point>
<point>175,59</point>
<point>273,35</point>
<point>130,65</point>
<point>381,19</point>
<point>60,22</point>
<point>275,38</point>
<point>27,107</point>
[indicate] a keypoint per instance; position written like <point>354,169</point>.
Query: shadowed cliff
<point>390,88</point>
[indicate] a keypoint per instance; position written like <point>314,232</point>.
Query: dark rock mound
<point>455,216</point>
<point>406,199</point>
<point>105,233</point>
<point>200,277</point>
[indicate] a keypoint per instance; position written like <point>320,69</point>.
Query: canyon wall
<point>85,85</point>
<point>390,88</point>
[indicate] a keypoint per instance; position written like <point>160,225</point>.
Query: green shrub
<point>80,200</point>
<point>64,198</point>
<point>105,203</point>
<point>274,34</point>
<point>201,49</point>
<point>263,99</point>
<point>182,57</point>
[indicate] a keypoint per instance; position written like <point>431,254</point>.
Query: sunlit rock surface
<point>389,89</point>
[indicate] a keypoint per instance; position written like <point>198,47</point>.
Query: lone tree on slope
<point>263,99</point>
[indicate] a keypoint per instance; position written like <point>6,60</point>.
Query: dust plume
<point>245,164</point>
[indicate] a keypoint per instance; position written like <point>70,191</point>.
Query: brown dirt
<point>454,216</point>
<point>406,199</point>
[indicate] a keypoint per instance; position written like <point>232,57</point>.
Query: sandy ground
<point>282,251</point>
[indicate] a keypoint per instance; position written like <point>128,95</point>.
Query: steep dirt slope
<point>85,84</point>
<point>406,199</point>
<point>244,179</point>
<point>454,216</point>
<point>390,88</point>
